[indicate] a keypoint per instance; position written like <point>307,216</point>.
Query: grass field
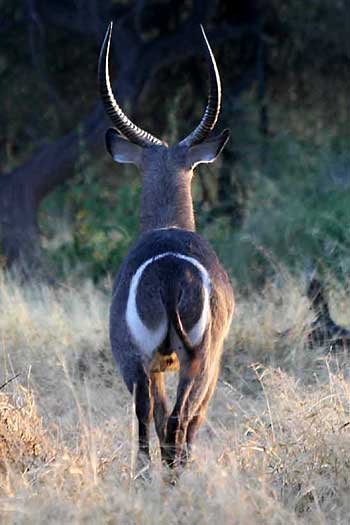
<point>275,447</point>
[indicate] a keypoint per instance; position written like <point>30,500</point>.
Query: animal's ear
<point>121,149</point>
<point>208,150</point>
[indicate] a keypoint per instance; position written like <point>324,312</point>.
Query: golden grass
<point>275,447</point>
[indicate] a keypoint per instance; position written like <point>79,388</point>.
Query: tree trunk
<point>19,228</point>
<point>22,191</point>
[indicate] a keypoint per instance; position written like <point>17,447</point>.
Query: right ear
<point>121,149</point>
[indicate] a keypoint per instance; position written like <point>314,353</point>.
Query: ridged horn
<point>118,117</point>
<point>212,110</point>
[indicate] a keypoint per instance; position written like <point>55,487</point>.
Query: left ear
<point>208,150</point>
<point>121,149</point>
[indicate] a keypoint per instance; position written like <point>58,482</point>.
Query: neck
<point>166,202</point>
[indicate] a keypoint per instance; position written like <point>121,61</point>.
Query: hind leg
<point>161,411</point>
<point>175,424</point>
<point>137,380</point>
<point>200,414</point>
<point>194,411</point>
<point>144,410</point>
<point>197,401</point>
<point>193,385</point>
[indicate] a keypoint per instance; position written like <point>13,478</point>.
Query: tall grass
<point>275,446</point>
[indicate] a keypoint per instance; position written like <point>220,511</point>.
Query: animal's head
<point>130,144</point>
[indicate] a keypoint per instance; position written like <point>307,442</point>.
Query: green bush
<point>298,213</point>
<point>101,221</point>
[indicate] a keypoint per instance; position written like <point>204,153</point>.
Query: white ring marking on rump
<point>149,340</point>
<point>197,331</point>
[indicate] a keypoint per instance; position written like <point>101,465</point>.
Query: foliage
<point>101,222</point>
<point>297,211</point>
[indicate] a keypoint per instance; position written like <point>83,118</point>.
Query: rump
<point>168,291</point>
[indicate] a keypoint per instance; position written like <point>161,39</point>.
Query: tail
<point>174,296</point>
<point>179,329</point>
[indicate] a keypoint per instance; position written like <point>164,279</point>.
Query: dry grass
<point>275,447</point>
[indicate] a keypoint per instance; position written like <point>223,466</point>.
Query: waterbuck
<point>172,300</point>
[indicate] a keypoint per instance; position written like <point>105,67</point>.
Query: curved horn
<point>212,110</point>
<point>120,120</point>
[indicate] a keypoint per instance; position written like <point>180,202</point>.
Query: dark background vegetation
<point>278,197</point>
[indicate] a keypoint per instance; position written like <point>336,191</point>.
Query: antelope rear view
<point>172,300</point>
